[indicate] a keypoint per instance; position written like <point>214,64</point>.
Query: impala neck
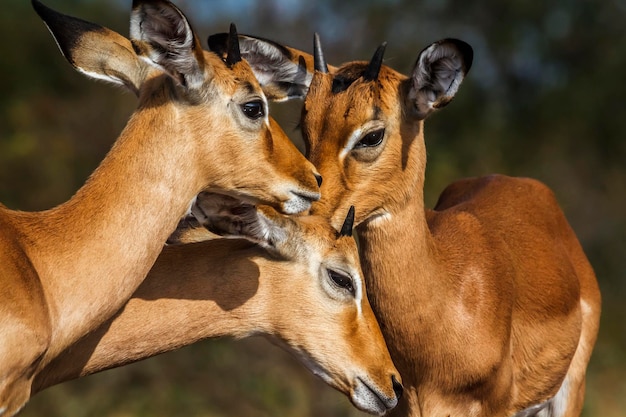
<point>388,264</point>
<point>108,235</point>
<point>190,294</point>
<point>385,261</point>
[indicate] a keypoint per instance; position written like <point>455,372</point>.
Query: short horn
<point>372,70</point>
<point>234,55</point>
<point>318,56</point>
<point>348,224</point>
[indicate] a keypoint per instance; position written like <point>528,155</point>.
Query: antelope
<point>300,285</point>
<point>201,124</point>
<point>487,302</point>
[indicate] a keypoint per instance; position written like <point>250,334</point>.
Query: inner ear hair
<point>438,73</point>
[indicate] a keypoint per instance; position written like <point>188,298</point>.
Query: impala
<point>488,303</point>
<point>200,122</point>
<point>304,291</point>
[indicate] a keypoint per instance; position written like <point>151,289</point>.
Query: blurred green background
<point>546,98</point>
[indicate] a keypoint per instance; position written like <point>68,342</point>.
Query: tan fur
<point>487,302</point>
<point>232,288</point>
<point>66,270</point>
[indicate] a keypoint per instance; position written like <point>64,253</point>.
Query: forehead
<point>346,90</point>
<point>230,79</point>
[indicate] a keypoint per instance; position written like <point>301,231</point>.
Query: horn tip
<point>348,224</point>
<point>319,63</point>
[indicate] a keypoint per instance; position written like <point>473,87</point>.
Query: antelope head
<point>214,106</point>
<point>362,122</point>
<point>327,323</point>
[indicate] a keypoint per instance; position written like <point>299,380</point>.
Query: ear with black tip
<point>284,73</point>
<point>92,49</point>
<point>162,35</point>
<point>438,74</point>
<point>228,217</point>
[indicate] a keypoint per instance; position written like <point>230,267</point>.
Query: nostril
<point>397,387</point>
<point>318,178</point>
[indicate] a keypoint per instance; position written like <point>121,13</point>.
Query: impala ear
<point>92,49</point>
<point>284,73</point>
<point>437,75</point>
<point>228,217</point>
<point>162,35</point>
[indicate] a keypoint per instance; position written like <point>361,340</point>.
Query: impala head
<point>320,312</point>
<point>213,107</point>
<point>362,122</point>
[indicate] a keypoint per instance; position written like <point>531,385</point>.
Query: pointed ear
<point>269,229</point>
<point>438,73</point>
<point>94,50</point>
<point>189,230</point>
<point>162,35</point>
<point>228,217</point>
<point>284,73</point>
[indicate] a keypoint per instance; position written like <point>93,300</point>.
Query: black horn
<point>372,70</point>
<point>318,55</point>
<point>348,224</point>
<point>234,55</point>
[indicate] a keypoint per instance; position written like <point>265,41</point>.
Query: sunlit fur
<point>480,300</point>
<point>232,288</point>
<point>66,270</point>
<point>487,303</point>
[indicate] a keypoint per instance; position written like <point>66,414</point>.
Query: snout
<point>373,399</point>
<point>300,201</point>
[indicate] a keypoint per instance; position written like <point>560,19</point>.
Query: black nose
<point>318,178</point>
<point>397,387</point>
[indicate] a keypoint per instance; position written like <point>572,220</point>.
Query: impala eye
<point>342,281</point>
<point>372,139</point>
<point>253,109</point>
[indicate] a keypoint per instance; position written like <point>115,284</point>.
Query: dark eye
<point>253,109</point>
<point>342,281</point>
<point>372,139</point>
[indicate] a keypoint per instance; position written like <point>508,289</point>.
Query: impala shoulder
<point>497,191</point>
<point>453,225</point>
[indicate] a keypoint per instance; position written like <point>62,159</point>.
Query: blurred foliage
<point>543,99</point>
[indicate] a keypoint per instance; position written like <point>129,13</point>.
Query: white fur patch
<point>358,293</point>
<point>99,76</point>
<point>358,134</point>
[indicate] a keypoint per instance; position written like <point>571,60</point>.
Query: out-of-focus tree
<point>544,99</point>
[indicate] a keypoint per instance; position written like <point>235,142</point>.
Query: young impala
<point>201,124</point>
<point>488,304</point>
<point>305,291</point>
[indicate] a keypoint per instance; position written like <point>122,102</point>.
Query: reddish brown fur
<point>231,288</point>
<point>486,302</point>
<point>64,271</point>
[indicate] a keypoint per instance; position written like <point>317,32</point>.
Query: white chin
<point>296,205</point>
<point>366,400</point>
